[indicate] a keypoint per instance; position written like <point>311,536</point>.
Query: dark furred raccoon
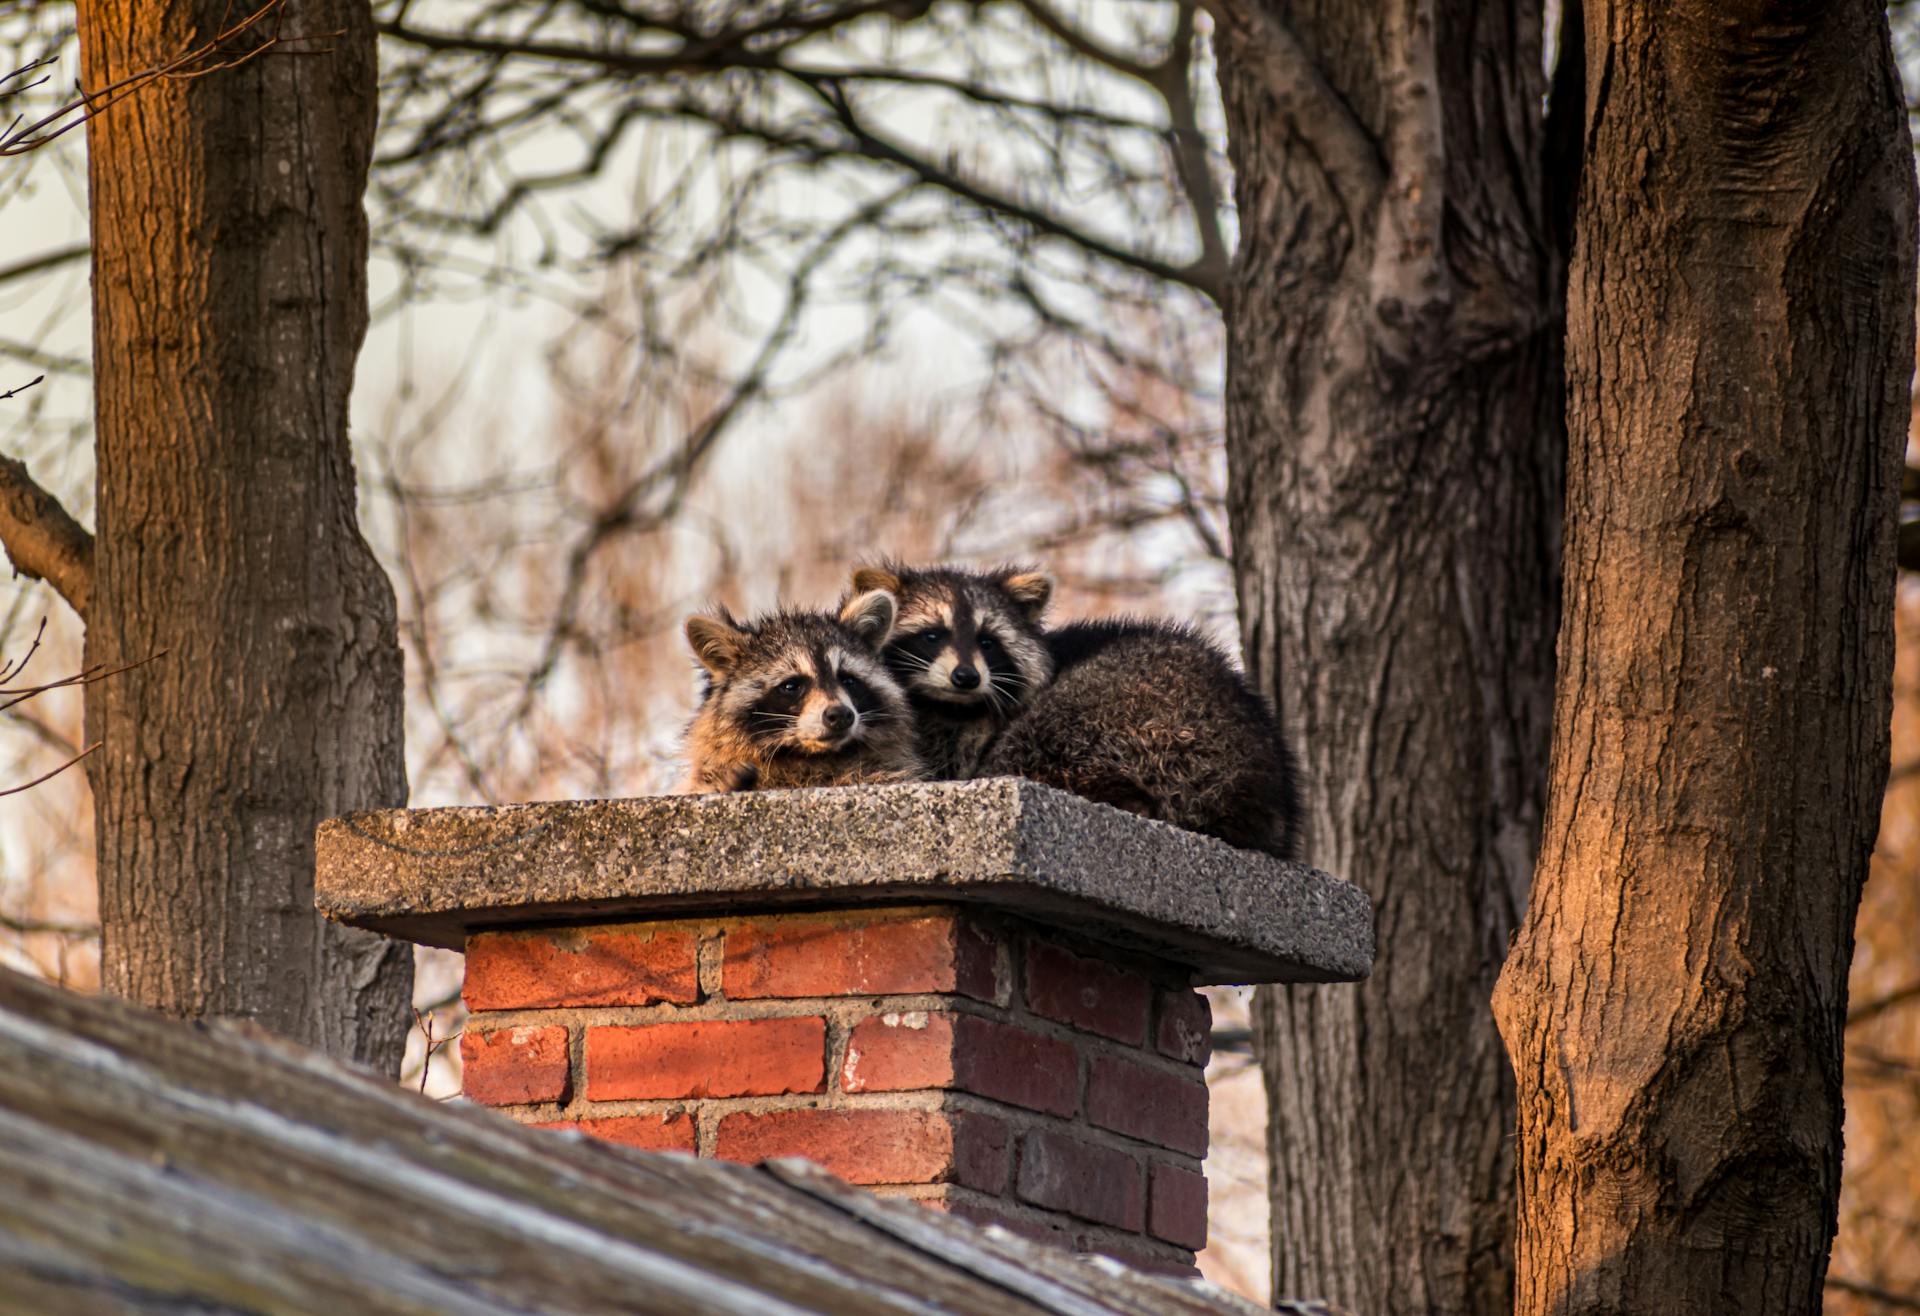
<point>967,647</point>
<point>1151,717</point>
<point>798,699</point>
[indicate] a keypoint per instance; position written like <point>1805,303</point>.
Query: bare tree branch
<point>43,262</point>
<point>43,541</point>
<point>1879,1005</point>
<point>49,775</point>
<point>1195,275</point>
<point>34,926</point>
<point>221,51</point>
<point>1884,1297</point>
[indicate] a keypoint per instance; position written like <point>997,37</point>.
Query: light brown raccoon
<point>967,647</point>
<point>798,699</point>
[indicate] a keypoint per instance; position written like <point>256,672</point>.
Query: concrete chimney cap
<point>1226,915</point>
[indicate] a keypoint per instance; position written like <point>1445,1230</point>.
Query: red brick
<point>1091,994</point>
<point>1101,1184</point>
<point>1177,1205</point>
<point>1152,1105</point>
<point>581,966</point>
<point>656,1133</point>
<point>724,1058</point>
<point>860,955</point>
<point>1186,1027</point>
<point>513,1066</point>
<point>899,1052</point>
<point>869,1146</point>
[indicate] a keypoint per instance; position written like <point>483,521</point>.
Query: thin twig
<point>21,137</point>
<point>1885,1297</point>
<point>48,776</point>
<point>11,670</point>
<point>1866,1010</point>
<point>424,1022</point>
<point>31,927</point>
<point>84,677</point>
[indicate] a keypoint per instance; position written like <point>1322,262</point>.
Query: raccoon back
<point>1152,717</point>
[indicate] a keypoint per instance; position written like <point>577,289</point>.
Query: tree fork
<point>230,300</point>
<point>1740,342</point>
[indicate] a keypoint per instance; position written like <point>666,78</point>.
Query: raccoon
<point>1151,717</point>
<point>967,647</point>
<point>798,699</point>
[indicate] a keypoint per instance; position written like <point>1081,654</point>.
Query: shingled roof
<point>155,1165</point>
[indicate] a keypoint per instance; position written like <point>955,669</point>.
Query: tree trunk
<point>1395,446</point>
<point>1740,342</point>
<point>229,302</point>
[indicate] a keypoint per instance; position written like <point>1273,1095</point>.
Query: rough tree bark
<point>1740,342</point>
<point>1395,447</point>
<point>229,303</point>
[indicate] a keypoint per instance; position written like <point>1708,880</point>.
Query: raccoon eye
<point>793,685</point>
<point>851,683</point>
<point>988,644</point>
<point>933,634</point>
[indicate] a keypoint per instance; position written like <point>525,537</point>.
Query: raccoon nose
<point>965,678</point>
<point>838,718</point>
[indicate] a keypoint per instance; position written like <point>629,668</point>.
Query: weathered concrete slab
<point>434,875</point>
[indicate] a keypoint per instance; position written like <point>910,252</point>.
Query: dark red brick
<point>722,1058</point>
<point>860,954</point>
<point>1177,1205</point>
<point>1010,1064</point>
<point>1168,1110</point>
<point>656,1133</point>
<point>1087,993</point>
<point>1186,1027</point>
<point>514,1066</point>
<point>1101,1184</point>
<point>632,965</point>
<point>868,1146</point>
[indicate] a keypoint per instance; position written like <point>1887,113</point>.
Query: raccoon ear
<point>715,642</point>
<point>872,578</point>
<point>1029,589</point>
<point>870,616</point>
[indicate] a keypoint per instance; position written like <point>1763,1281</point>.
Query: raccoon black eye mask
<point>968,650</point>
<point>793,699</point>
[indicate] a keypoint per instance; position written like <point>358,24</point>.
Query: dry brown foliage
<point>1876,1257</point>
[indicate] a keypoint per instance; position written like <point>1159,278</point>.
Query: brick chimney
<point>978,995</point>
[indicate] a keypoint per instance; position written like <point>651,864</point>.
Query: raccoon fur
<point>798,699</point>
<point>968,649</point>
<point>1151,717</point>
